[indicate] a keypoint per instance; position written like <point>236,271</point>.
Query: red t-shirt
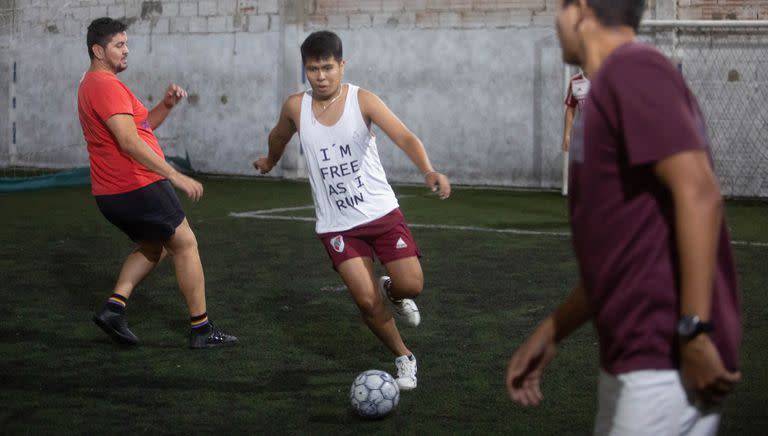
<point>578,88</point>
<point>640,111</point>
<point>113,171</point>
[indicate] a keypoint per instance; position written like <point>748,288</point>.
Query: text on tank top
<point>349,185</point>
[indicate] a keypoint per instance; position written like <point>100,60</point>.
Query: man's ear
<point>584,10</point>
<point>98,51</point>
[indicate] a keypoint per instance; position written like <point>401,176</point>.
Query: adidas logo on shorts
<point>400,244</point>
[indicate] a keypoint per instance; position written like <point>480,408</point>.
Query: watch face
<point>687,325</point>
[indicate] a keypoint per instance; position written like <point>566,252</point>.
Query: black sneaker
<point>214,338</point>
<point>115,325</point>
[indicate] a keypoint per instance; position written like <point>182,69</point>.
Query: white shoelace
<point>405,306</point>
<point>406,369</point>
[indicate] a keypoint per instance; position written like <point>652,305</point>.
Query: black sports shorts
<point>151,213</point>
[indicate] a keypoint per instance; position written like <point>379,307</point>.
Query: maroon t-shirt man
<point>639,111</point>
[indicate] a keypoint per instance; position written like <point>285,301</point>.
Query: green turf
<point>270,282</point>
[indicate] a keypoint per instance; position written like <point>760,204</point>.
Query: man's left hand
<point>438,183</point>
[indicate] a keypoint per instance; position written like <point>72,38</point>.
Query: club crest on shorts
<point>400,244</point>
<point>337,242</point>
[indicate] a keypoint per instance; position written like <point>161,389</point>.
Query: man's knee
<point>407,287</point>
<point>182,241</point>
<point>371,307</point>
<point>152,251</point>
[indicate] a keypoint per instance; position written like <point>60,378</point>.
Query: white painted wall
<point>481,87</point>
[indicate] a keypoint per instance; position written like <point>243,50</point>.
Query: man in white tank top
<point>357,212</point>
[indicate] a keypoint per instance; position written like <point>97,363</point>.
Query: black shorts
<point>151,213</point>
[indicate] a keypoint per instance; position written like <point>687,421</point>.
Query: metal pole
<point>566,160</point>
<point>12,103</point>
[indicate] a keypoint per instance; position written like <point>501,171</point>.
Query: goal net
<point>726,66</point>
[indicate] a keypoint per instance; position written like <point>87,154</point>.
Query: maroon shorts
<point>388,237</point>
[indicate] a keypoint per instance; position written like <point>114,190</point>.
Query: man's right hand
<point>190,186</point>
<point>263,165</point>
<point>528,363</point>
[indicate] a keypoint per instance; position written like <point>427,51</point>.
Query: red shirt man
<point>131,183</point>
<point>102,95</point>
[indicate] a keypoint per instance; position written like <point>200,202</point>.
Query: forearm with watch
<point>698,211</point>
<point>697,227</point>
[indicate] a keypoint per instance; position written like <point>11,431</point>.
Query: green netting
<point>27,179</point>
<point>73,177</point>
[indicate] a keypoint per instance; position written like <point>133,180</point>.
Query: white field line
<point>266,214</point>
<point>271,217</point>
<point>750,243</point>
<point>269,211</point>
<point>484,229</point>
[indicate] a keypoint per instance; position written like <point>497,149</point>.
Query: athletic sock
<point>200,324</point>
<point>387,287</point>
<point>116,303</point>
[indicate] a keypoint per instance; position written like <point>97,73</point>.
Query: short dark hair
<point>321,45</point>
<point>613,13</point>
<point>101,31</point>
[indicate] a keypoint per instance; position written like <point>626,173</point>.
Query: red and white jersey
<point>577,91</point>
<point>349,186</point>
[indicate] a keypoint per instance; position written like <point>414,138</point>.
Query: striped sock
<point>116,303</point>
<point>200,324</point>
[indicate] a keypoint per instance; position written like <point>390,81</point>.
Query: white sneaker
<point>404,310</point>
<point>406,372</point>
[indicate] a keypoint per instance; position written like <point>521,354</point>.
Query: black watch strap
<point>690,326</point>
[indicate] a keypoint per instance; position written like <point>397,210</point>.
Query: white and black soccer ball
<point>374,394</point>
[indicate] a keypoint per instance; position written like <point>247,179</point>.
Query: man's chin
<point>571,59</point>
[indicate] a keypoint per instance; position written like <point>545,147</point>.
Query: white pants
<point>651,403</point>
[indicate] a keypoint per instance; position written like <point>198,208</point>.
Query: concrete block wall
<point>239,59</point>
<point>70,18</point>
<point>480,81</point>
<point>428,14</point>
<point>224,52</point>
<point>722,9</point>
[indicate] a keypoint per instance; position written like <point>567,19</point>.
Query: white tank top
<point>349,185</point>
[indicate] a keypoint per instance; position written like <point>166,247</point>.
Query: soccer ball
<point>374,394</point>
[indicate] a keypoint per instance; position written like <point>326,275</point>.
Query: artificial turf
<point>302,341</point>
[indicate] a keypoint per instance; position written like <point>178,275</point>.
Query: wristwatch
<point>690,326</point>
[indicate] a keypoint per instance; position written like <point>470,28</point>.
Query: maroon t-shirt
<point>639,111</point>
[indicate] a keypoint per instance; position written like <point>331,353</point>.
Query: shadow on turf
<point>94,384</point>
<point>97,340</point>
<point>351,415</point>
<point>88,287</point>
<point>17,415</point>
